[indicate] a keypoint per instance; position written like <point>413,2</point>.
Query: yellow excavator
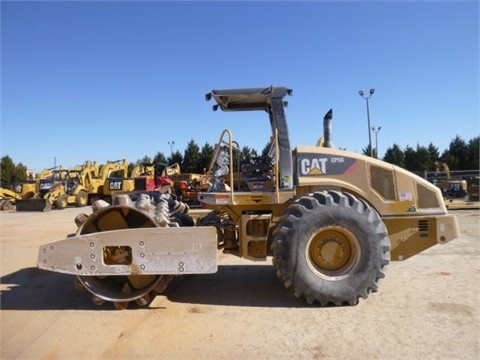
<point>94,178</point>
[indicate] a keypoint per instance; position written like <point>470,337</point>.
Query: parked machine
<point>453,189</point>
<point>331,220</point>
<point>77,186</point>
<point>186,186</point>
<point>24,190</point>
<point>8,199</point>
<point>460,193</point>
<point>147,176</point>
<point>95,182</point>
<point>473,188</point>
<point>63,188</point>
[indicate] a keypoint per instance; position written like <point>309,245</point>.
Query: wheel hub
<point>333,252</point>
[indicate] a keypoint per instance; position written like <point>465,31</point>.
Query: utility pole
<point>171,143</point>
<point>376,130</point>
<point>362,94</point>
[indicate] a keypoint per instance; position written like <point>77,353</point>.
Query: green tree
<point>246,155</point>
<point>19,173</point>
<point>423,159</point>
<point>160,158</point>
<point>433,155</point>
<point>265,157</point>
<point>7,170</point>
<point>191,158</point>
<point>456,154</point>
<point>145,160</point>
<point>206,155</point>
<point>366,151</point>
<point>176,157</point>
<point>473,153</point>
<point>411,162</point>
<point>395,156</point>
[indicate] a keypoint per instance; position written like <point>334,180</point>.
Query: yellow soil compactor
<point>330,220</point>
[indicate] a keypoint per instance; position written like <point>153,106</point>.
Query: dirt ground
<point>426,308</point>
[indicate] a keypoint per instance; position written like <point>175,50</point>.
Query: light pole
<point>171,143</point>
<point>376,130</point>
<point>362,94</point>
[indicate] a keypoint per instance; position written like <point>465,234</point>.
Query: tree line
<point>460,155</point>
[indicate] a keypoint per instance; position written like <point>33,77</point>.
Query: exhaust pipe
<point>327,129</point>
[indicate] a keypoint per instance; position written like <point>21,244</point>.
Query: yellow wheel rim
<point>333,252</point>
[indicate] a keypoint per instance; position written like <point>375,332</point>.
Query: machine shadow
<point>232,285</point>
<point>36,289</point>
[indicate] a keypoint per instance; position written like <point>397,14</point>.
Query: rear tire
<point>330,247</point>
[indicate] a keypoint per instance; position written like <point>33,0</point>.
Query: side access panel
<point>142,251</point>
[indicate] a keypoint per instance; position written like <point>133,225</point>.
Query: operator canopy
<point>269,99</point>
<point>247,99</point>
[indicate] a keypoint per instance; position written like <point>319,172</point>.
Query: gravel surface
<point>426,308</point>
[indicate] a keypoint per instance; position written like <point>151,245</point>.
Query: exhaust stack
<point>327,129</point>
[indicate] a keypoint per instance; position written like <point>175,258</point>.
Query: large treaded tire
<point>330,247</point>
<point>7,205</point>
<point>81,199</point>
<point>61,202</point>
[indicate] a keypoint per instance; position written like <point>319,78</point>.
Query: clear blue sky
<point>120,79</point>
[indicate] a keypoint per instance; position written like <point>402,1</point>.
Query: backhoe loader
<point>8,198</point>
<point>63,188</point>
<point>95,182</point>
<point>28,189</point>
